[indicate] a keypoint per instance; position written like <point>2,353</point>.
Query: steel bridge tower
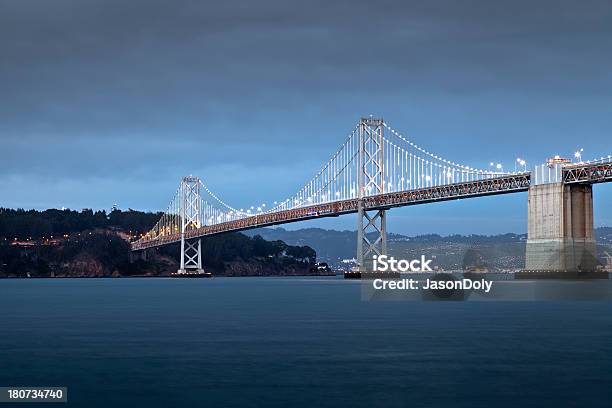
<point>370,179</point>
<point>191,218</point>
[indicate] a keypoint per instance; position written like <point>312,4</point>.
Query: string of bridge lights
<point>300,201</point>
<point>306,196</point>
<point>451,163</point>
<point>300,193</point>
<point>337,180</point>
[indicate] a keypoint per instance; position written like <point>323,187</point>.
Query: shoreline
<point>165,276</point>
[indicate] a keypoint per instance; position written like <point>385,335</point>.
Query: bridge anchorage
<point>376,169</point>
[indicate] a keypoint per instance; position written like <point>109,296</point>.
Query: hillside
<point>504,251</point>
<point>66,243</point>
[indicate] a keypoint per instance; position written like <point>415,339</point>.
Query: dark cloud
<point>123,92</point>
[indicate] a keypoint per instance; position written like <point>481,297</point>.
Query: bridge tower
<point>560,235</point>
<point>191,218</point>
<point>371,225</point>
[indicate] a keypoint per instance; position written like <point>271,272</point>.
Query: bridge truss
<point>598,171</point>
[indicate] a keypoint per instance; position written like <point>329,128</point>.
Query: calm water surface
<point>296,342</point>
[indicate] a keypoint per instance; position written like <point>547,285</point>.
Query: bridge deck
<point>580,173</point>
<point>590,173</point>
<point>499,185</point>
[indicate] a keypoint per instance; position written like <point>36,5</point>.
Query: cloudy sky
<point>105,101</point>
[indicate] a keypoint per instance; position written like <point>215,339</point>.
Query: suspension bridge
<point>375,169</point>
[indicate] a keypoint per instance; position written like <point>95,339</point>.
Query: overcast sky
<point>105,101</point>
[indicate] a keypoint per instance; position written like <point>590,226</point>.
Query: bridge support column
<point>191,257</point>
<point>371,237</point>
<point>560,232</point>
<point>191,218</point>
<point>371,225</point>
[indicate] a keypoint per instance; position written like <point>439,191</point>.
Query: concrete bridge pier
<point>560,230</point>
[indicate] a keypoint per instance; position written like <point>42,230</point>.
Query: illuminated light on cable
<point>338,178</point>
